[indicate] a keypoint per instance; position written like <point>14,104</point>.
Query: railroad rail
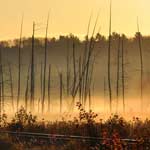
<point>30,139</point>
<point>59,136</point>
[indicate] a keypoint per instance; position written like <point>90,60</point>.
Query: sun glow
<point>69,16</point>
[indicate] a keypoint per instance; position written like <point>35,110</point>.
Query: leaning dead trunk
<point>86,64</point>
<point>85,55</point>
<point>89,61</point>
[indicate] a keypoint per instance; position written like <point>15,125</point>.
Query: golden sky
<point>71,16</point>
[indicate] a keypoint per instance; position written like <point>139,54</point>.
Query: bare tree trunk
<point>32,72</point>
<point>11,87</point>
<point>109,60</point>
<point>3,98</point>
<point>45,66</point>
<point>84,74</point>
<point>90,102</point>
<point>41,81</point>
<point>19,65</point>
<point>89,55</point>
<point>105,94</point>
<point>27,89</point>
<point>80,86</point>
<point>74,68</point>
<point>118,72</point>
<point>85,56</point>
<point>39,105</point>
<point>61,90</point>
<point>123,82</point>
<point>49,89</point>
<point>141,63</point>
<point>1,107</point>
<point>90,78</point>
<point>74,77</point>
<point>68,71</point>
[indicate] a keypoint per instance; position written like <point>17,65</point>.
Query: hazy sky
<point>71,16</point>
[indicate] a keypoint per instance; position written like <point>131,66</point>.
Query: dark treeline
<point>65,56</point>
<point>26,42</point>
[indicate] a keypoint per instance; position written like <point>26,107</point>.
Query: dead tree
<point>90,78</point>
<point>68,72</point>
<point>104,93</point>
<point>11,87</point>
<point>90,102</point>
<point>27,89</point>
<point>118,74</point>
<point>85,55</point>
<point>2,83</point>
<point>19,64</point>
<point>74,74</point>
<point>61,91</point>
<point>49,89</point>
<point>41,83</point>
<point>85,69</point>
<point>123,75</point>
<point>80,86</point>
<point>45,66</point>
<point>89,61</point>
<point>109,62</point>
<point>1,108</point>
<point>32,88</point>
<point>141,64</point>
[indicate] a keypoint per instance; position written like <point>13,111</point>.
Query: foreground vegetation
<point>115,128</point>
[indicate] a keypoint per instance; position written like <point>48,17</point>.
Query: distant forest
<point>26,42</point>
<point>57,50</point>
